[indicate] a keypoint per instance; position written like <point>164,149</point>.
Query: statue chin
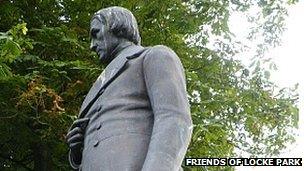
<point>102,56</point>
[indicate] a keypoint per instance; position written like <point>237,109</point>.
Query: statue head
<point>109,28</point>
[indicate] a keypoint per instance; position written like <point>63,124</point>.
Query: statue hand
<point>75,139</point>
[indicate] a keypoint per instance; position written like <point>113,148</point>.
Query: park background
<point>289,59</point>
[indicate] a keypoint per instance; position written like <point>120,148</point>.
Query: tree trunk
<point>42,157</point>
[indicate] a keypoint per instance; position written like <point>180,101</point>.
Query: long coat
<point>139,113</point>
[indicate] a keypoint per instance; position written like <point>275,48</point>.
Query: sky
<point>290,62</point>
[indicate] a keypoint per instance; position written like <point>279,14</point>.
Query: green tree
<point>46,69</point>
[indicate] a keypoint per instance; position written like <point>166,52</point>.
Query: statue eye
<point>94,32</point>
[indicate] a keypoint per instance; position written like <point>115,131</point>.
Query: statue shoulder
<point>161,52</point>
<point>162,49</point>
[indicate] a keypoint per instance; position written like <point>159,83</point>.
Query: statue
<point>136,116</point>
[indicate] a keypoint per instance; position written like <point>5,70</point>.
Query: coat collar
<point>111,72</point>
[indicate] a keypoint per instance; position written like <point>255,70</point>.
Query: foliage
<point>46,69</point>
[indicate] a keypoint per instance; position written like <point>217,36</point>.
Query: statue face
<point>103,42</point>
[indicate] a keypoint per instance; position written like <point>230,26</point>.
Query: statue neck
<point>120,47</point>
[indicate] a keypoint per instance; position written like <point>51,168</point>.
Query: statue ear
<point>117,28</point>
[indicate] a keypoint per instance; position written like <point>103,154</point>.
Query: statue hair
<point>121,22</point>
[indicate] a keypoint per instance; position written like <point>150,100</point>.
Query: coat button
<point>95,143</point>
<point>99,126</point>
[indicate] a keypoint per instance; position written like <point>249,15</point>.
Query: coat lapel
<point>107,76</point>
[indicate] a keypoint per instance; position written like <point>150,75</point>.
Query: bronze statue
<point>136,116</point>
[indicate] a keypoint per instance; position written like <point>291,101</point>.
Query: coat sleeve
<point>165,82</point>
